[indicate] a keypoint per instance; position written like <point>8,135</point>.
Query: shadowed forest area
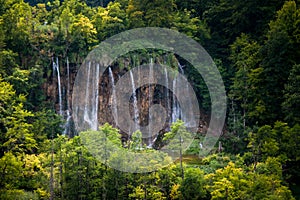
<point>256,47</point>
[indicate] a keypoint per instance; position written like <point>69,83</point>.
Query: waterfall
<point>86,115</point>
<point>176,110</point>
<point>174,102</point>
<point>150,142</point>
<point>68,84</point>
<point>188,122</point>
<point>53,68</point>
<point>68,123</point>
<point>68,114</point>
<point>86,111</point>
<point>56,67</point>
<point>167,93</point>
<point>180,68</point>
<point>179,111</point>
<point>96,98</point>
<point>90,115</point>
<point>59,87</point>
<point>135,107</point>
<point>175,107</point>
<point>114,100</point>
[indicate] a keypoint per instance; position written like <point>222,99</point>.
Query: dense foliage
<point>255,45</point>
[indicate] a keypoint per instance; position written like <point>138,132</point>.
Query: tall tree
<point>178,140</point>
<point>150,13</point>
<point>192,186</point>
<point>280,53</point>
<point>291,102</point>
<point>229,18</point>
<point>109,21</point>
<point>16,134</point>
<point>245,58</point>
<point>17,24</point>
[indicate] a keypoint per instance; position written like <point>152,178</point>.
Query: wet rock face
<point>104,104</point>
<point>50,86</point>
<point>145,96</point>
<point>67,74</point>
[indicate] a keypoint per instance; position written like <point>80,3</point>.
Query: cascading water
<point>191,121</point>
<point>53,67</point>
<point>56,67</point>
<point>175,106</point>
<point>167,92</point>
<point>150,142</point>
<point>176,110</point>
<point>96,98</point>
<point>135,107</point>
<point>114,100</point>
<point>179,111</point>
<point>188,122</point>
<point>86,116</point>
<point>90,115</point>
<point>180,68</point>
<point>68,84</point>
<point>68,114</point>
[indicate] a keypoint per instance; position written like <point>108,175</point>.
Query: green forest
<point>256,47</point>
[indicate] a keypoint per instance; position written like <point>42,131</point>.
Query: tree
<point>191,26</point>
<point>23,177</point>
<point>280,54</point>
<point>229,18</point>
<point>197,7</point>
<point>245,57</point>
<point>291,101</point>
<point>11,168</point>
<point>150,13</point>
<point>192,186</point>
<point>234,182</point>
<point>18,137</point>
<point>261,67</point>
<point>17,25</point>
<point>279,141</point>
<point>21,170</point>
<point>46,124</point>
<point>135,14</point>
<point>109,21</point>
<point>136,141</point>
<point>83,35</point>
<point>16,134</point>
<point>178,140</point>
<point>167,178</point>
